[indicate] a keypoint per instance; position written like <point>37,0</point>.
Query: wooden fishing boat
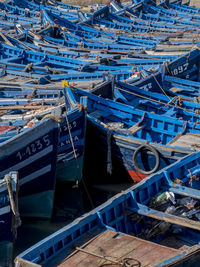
<point>72,143</point>
<point>154,223</point>
<point>185,67</point>
<point>72,129</point>
<point>33,153</point>
<point>9,217</point>
<point>15,61</point>
<point>175,107</point>
<point>122,135</point>
<point>180,77</point>
<point>184,8</point>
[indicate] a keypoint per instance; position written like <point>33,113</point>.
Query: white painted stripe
<point>27,137</point>
<point>31,159</point>
<point>66,156</point>
<point>36,174</point>
<point>4,210</point>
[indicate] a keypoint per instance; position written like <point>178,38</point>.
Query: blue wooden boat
<point>179,78</point>
<point>153,16</point>
<point>64,5</point>
<point>72,132</point>
<point>20,41</point>
<point>33,153</point>
<point>72,143</point>
<point>15,59</point>
<point>149,101</point>
<point>185,67</point>
<point>121,135</point>
<point>36,5</point>
<point>17,10</point>
<point>153,20</point>
<point>9,217</point>
<point>72,76</point>
<point>168,13</point>
<point>153,223</point>
<point>184,8</point>
<point>146,22</point>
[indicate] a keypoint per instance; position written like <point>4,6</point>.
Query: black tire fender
<point>155,153</point>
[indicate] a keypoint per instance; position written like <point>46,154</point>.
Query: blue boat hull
<point>33,153</point>
<point>130,212</point>
<point>120,163</point>
<point>122,139</point>
<point>70,156</point>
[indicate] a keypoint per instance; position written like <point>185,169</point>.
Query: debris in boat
<point>162,198</point>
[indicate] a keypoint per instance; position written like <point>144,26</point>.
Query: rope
<point>156,101</point>
<point>166,65</point>
<point>123,263</point>
<point>77,164</point>
<point>72,142</point>
<point>28,67</point>
<point>160,86</point>
<point>14,205</point>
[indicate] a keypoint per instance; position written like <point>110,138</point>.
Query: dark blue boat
<point>72,130</point>
<point>185,67</point>
<point>9,217</point>
<point>154,223</point>
<point>33,153</point>
<point>179,77</point>
<point>132,142</point>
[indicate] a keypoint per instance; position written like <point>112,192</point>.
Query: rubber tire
<point>155,153</point>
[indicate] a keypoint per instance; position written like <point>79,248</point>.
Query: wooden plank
<point>184,191</point>
<point>25,263</point>
<point>23,107</point>
<point>111,246</point>
<point>186,140</point>
<point>6,39</point>
<point>135,128</point>
<point>158,215</point>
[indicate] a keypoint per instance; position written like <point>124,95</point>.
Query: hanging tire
<point>155,153</point>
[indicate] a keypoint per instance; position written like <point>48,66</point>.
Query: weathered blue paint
<point>151,129</point>
<point>119,214</point>
<point>33,153</point>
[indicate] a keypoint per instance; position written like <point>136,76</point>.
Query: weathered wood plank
<point>116,247</point>
<point>14,107</point>
<point>155,214</point>
<point>186,140</point>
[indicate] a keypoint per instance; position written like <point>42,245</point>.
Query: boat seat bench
<point>158,215</point>
<point>186,140</point>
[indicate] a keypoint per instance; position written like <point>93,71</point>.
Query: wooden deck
<point>118,247</point>
<point>187,140</point>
